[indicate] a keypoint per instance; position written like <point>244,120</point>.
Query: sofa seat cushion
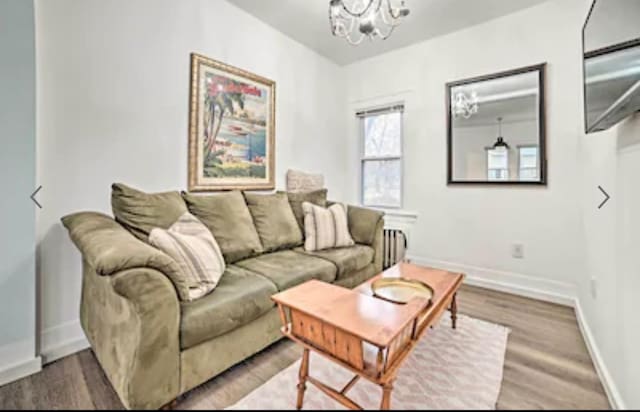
<point>240,297</point>
<point>346,259</point>
<point>288,268</point>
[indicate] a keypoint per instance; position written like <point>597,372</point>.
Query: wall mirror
<point>611,43</point>
<point>496,128</point>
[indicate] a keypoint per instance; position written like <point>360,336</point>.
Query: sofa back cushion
<point>274,221</point>
<point>296,199</point>
<point>190,243</point>
<point>140,212</point>
<point>227,217</point>
<point>326,228</point>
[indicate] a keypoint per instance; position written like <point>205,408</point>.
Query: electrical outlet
<point>594,288</point>
<point>517,250</point>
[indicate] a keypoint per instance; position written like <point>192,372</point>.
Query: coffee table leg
<point>454,311</point>
<point>386,396</point>
<point>304,372</point>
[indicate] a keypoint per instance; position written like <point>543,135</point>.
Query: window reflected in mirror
<point>496,128</point>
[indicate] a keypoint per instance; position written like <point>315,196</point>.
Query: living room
<point>113,129</point>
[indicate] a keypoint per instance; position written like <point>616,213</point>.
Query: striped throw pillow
<point>193,247</point>
<point>326,228</point>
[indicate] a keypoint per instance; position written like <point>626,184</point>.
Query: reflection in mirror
<point>496,128</point>
<point>611,38</point>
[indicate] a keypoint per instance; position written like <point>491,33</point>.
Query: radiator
<point>394,247</point>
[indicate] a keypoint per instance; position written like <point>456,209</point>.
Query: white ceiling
<point>307,21</point>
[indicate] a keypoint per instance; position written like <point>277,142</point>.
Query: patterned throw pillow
<point>326,228</point>
<point>193,247</point>
<point>303,182</point>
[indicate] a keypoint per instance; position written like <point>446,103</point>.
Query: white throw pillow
<point>326,228</point>
<point>190,243</point>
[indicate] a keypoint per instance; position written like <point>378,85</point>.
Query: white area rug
<point>449,369</point>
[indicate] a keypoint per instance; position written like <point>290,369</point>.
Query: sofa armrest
<point>363,224</point>
<point>378,246</point>
<point>367,227</point>
<point>132,320</point>
<point>109,248</point>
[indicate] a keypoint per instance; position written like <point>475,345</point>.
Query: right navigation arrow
<point>607,197</point>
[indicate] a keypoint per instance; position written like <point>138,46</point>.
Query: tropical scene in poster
<point>233,128</point>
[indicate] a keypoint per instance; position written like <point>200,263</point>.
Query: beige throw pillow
<point>193,247</point>
<point>298,181</point>
<point>326,228</point>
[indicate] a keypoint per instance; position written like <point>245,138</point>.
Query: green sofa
<point>153,346</point>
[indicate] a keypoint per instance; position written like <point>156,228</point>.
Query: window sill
<point>398,213</point>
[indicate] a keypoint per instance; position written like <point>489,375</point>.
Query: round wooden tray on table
<point>401,290</point>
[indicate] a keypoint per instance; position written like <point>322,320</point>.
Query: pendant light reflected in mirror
<point>500,144</point>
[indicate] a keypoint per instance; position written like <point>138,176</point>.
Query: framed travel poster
<point>231,128</point>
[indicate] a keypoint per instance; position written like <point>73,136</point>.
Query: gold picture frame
<point>231,128</point>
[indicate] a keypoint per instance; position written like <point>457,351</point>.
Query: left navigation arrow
<point>33,197</point>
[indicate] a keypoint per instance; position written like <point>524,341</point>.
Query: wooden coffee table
<point>369,336</point>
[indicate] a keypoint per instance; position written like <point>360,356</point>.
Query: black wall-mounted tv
<point>611,49</point>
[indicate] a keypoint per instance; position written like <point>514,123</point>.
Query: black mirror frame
<point>541,69</point>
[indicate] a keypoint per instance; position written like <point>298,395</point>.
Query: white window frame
<point>537,168</point>
<point>487,154</point>
<point>361,115</point>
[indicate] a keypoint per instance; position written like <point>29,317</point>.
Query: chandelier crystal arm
<point>366,19</point>
<point>384,36</point>
<point>355,42</point>
<point>398,11</point>
<point>389,19</point>
<point>356,14</point>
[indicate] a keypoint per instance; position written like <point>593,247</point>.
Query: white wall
<point>612,235</point>
<point>113,93</point>
<point>17,181</point>
<point>474,227</point>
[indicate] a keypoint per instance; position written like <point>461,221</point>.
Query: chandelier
<point>356,20</point>
<point>464,105</point>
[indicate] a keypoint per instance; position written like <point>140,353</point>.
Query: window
<point>381,157</point>
<point>528,163</point>
<point>497,165</point>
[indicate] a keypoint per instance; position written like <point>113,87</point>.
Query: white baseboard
<point>610,387</point>
<point>20,370</point>
<point>517,284</point>
<point>62,340</point>
<point>11,368</point>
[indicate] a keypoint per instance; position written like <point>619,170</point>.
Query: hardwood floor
<point>547,365</point>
